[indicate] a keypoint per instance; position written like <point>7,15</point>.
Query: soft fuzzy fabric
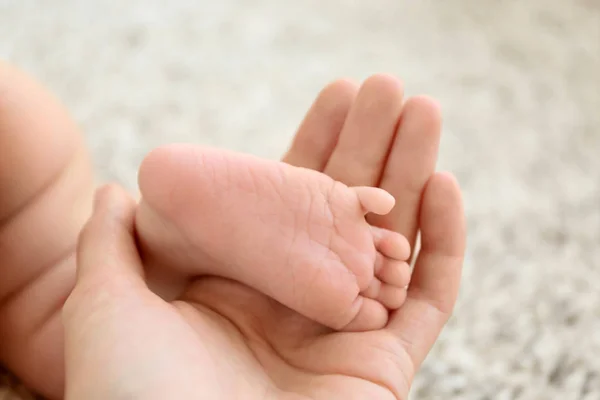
<point>519,86</point>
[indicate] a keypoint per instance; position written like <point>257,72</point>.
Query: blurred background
<point>519,85</point>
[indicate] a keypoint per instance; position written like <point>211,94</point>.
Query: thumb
<point>107,298</point>
<point>121,340</point>
<point>107,252</point>
<point>108,264</point>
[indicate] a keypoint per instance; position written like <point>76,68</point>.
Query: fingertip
<point>441,187</point>
<point>113,200</point>
<point>111,208</point>
<point>151,168</point>
<point>425,102</point>
<point>106,244</point>
<point>443,222</point>
<point>443,190</point>
<point>338,94</point>
<point>385,82</point>
<point>318,133</point>
<point>425,110</point>
<point>448,178</point>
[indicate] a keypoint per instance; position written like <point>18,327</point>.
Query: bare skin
<point>391,145</point>
<point>45,198</point>
<point>291,233</point>
<point>224,340</point>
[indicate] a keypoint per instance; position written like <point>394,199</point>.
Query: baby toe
<point>393,272</point>
<point>373,290</point>
<point>372,315</point>
<point>391,244</point>
<point>391,296</point>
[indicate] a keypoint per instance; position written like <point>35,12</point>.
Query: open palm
<point>224,340</point>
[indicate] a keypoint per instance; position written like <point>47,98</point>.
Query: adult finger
<point>411,163</point>
<point>361,151</point>
<point>107,258</point>
<point>317,135</point>
<point>435,281</point>
<point>109,278</point>
<point>118,335</point>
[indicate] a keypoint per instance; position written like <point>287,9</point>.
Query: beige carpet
<point>519,82</point>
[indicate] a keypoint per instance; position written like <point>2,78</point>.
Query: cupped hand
<point>223,340</point>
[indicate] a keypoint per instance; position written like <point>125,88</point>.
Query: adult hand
<point>123,341</point>
<point>224,340</point>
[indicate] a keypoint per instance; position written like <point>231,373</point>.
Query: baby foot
<point>293,234</point>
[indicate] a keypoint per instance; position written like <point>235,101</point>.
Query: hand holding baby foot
<point>223,340</point>
<point>390,145</point>
<point>294,355</point>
